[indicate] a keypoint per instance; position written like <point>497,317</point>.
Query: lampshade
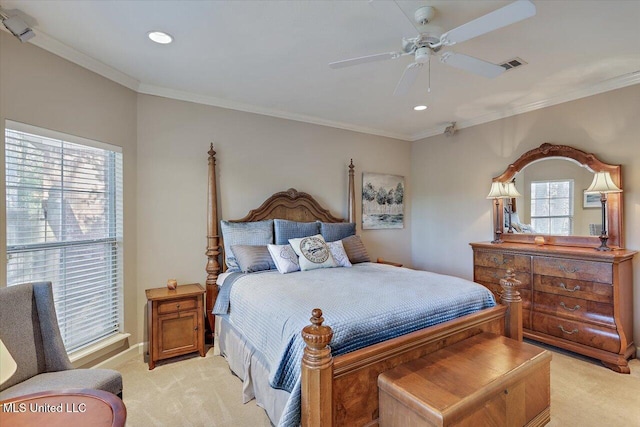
<point>602,183</point>
<point>498,191</point>
<point>512,191</point>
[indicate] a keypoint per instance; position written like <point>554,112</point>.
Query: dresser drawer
<point>591,291</point>
<point>573,269</point>
<point>173,306</point>
<point>574,308</point>
<point>583,333</point>
<point>518,263</point>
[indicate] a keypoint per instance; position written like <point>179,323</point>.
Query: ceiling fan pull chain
<point>429,72</point>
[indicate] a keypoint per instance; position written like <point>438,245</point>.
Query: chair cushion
<point>98,379</point>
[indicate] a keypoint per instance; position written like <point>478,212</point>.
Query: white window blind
<point>552,207</point>
<point>64,225</point>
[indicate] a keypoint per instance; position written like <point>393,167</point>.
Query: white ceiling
<point>271,57</point>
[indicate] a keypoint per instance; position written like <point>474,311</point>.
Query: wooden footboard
<point>343,391</point>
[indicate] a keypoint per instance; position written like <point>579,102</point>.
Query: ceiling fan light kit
<point>430,41</point>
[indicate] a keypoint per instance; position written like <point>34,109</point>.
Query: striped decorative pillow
<point>355,250</point>
<point>244,233</point>
<point>252,258</point>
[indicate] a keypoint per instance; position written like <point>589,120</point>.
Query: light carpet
<point>201,391</point>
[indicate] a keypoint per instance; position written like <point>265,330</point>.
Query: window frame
<point>570,198</point>
<point>113,269</point>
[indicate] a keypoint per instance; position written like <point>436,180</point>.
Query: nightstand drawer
<point>581,270</point>
<point>174,306</point>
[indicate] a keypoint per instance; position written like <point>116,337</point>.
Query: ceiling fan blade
<point>510,14</point>
<point>472,65</point>
<point>365,59</point>
<point>408,78</point>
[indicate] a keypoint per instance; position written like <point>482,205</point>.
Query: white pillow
<point>284,257</point>
<point>338,253</point>
<point>312,252</point>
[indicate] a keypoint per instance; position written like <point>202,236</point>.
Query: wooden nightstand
<point>176,322</point>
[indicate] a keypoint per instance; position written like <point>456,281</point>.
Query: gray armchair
<point>29,330</point>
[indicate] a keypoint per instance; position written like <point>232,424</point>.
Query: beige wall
<point>41,89</point>
<point>165,142</point>
<point>256,157</point>
<point>451,176</point>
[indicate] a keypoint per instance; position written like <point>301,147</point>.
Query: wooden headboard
<point>291,204</point>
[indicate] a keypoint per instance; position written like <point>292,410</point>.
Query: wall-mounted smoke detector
<point>512,63</point>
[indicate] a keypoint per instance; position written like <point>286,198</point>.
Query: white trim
<point>48,133</point>
<point>232,105</point>
<point>87,354</point>
<point>56,47</point>
<point>52,45</point>
<point>123,357</point>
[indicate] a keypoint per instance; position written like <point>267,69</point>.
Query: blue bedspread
<point>364,305</point>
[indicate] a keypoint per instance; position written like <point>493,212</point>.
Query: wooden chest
<point>485,380</point>
<point>575,298</point>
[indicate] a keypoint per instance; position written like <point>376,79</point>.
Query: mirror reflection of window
<point>552,207</point>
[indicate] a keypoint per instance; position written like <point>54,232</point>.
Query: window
<point>552,207</point>
<point>64,225</point>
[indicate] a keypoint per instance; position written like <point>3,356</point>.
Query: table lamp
<point>512,192</point>
<point>603,184</point>
<point>498,191</point>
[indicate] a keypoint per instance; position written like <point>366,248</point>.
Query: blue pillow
<point>244,233</point>
<point>337,230</point>
<point>286,230</point>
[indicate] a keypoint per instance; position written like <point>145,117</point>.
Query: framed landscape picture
<point>382,201</point>
<point>591,200</point>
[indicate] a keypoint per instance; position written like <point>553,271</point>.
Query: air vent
<point>512,63</point>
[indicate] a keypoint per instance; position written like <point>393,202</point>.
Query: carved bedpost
<point>317,373</point>
<point>352,194</point>
<point>511,298</point>
<point>213,247</point>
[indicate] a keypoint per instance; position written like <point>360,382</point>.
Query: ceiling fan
<point>430,42</point>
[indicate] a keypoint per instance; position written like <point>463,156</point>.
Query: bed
<point>300,379</point>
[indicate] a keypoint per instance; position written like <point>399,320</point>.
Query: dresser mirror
<point>574,219</point>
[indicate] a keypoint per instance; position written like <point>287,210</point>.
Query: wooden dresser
<point>575,298</point>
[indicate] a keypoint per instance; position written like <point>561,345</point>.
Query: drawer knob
<point>497,261</point>
<point>178,306</point>
<point>563,305</point>
<point>567,332</point>
<point>568,270</point>
<point>575,288</point>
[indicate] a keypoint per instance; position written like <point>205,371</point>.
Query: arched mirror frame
<point>614,200</point>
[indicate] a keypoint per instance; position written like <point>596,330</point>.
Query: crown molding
<point>232,105</point>
<point>56,47</point>
<point>618,82</point>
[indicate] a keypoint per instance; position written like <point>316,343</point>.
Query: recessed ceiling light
<point>160,37</point>
<point>420,107</point>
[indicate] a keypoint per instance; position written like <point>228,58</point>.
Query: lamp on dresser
<point>603,184</point>
<point>498,191</point>
<point>512,193</point>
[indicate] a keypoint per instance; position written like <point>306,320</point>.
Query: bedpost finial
<point>510,286</point>
<point>317,336</point>
<point>351,165</point>
<point>211,152</point>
